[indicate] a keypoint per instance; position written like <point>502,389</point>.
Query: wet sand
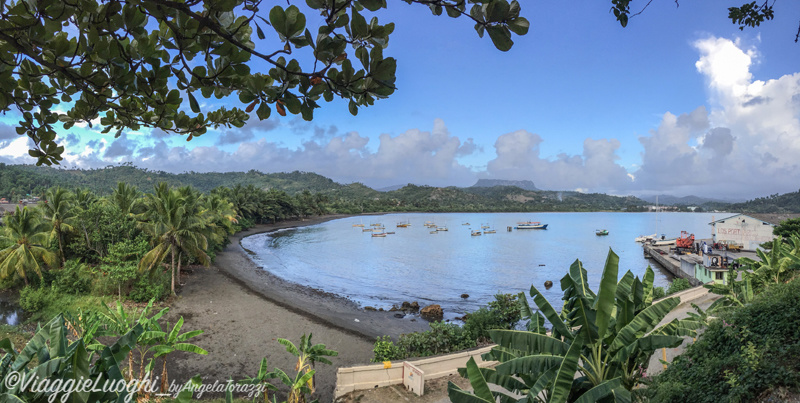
<point>243,310</point>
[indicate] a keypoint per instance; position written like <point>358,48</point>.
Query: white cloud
<point>749,143</point>
<point>518,158</point>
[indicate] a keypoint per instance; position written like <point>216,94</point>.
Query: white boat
<point>663,242</point>
<point>645,238</point>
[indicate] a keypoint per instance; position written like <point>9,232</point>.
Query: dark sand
<point>243,310</point>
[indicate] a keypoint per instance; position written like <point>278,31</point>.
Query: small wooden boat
<point>390,233</point>
<point>476,233</point>
<point>484,226</point>
<point>366,230</point>
<point>530,225</point>
<point>601,232</point>
<point>442,229</point>
<point>403,225</point>
<point>379,235</point>
<point>466,223</point>
<point>489,231</point>
<point>358,225</point>
<point>377,224</point>
<point>434,232</point>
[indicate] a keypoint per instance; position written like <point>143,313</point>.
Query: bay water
<point>415,265</point>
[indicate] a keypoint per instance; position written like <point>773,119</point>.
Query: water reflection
<point>10,313</point>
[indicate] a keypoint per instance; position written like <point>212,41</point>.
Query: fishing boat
<point>530,225</point>
<point>358,225</point>
<point>376,224</point>
<point>476,233</point>
<point>403,224</point>
<point>390,233</point>
<point>434,232</point>
<point>489,231</point>
<point>466,223</point>
<point>484,226</point>
<point>645,238</point>
<point>366,230</point>
<point>378,234</point>
<point>601,232</point>
<point>441,229</point>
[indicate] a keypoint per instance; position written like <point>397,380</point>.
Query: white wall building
<point>743,230</point>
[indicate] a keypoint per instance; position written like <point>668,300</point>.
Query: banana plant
<point>50,355</point>
<point>308,355</point>
<point>598,348</point>
<point>262,380</point>
<point>168,343</point>
<point>736,293</point>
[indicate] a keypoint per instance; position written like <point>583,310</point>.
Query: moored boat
<point>379,235</point>
<point>645,238</point>
<point>530,225</point>
<point>489,231</point>
<point>601,232</point>
<point>476,233</point>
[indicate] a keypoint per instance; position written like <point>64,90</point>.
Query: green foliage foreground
<point>599,346</point>
<point>748,354</point>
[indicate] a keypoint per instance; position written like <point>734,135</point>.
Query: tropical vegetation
<point>599,346</point>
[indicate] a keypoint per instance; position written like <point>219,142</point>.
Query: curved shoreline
<point>318,305</point>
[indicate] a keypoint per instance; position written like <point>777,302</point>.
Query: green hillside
<point>17,181</point>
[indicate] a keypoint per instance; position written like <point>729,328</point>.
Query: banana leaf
<point>600,391</point>
<point>531,365</point>
<point>643,323</point>
<point>558,325</point>
<point>604,302</point>
<point>562,385</point>
<point>529,343</point>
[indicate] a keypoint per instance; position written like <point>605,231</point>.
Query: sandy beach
<point>244,310</point>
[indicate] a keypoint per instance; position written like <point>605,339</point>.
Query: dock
<point>672,262</point>
<point>683,265</point>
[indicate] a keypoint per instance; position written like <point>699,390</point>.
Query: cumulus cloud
<point>234,137</point>
<point>518,158</point>
<point>416,156</point>
<point>751,140</point>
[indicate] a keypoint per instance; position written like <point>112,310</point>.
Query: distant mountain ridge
<point>490,183</point>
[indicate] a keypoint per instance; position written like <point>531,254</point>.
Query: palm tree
<point>173,231</point>
<point>57,209</point>
<point>126,197</point>
<point>27,235</point>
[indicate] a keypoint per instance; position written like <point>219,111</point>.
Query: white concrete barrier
<point>377,375</point>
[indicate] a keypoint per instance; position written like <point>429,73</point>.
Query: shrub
<point>678,285</point>
<point>440,339</point>
<point>507,309</point>
<point>148,287</point>
<point>385,350</point>
<point>478,323</point>
<point>74,278</point>
<point>34,299</point>
<point>747,353</point>
<point>658,293</point>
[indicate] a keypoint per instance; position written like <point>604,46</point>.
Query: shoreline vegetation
<point>74,255</point>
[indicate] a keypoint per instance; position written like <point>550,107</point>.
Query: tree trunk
<point>164,382</point>
<point>172,267</point>
<point>179,269</point>
<point>61,247</point>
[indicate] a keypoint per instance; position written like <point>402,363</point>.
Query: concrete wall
<point>372,376</point>
<point>743,230</point>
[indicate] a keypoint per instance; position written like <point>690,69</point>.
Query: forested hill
<point>776,203</point>
<point>19,180</point>
<point>16,181</point>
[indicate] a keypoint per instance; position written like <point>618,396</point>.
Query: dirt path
<point>244,310</point>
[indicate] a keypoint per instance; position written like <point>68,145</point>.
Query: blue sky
<point>671,104</point>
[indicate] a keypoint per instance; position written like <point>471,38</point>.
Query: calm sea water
<point>415,265</point>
